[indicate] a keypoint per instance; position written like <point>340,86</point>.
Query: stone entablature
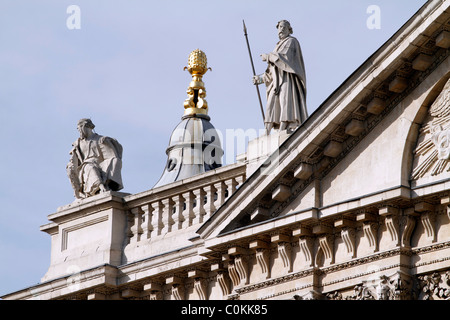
<point>339,251</point>
<point>380,252</point>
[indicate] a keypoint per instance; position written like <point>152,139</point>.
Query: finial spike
<point>197,67</point>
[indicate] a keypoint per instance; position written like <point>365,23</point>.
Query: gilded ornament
<point>197,67</point>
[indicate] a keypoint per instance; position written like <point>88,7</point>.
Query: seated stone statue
<point>96,162</point>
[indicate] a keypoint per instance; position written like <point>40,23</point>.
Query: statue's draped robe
<point>95,161</point>
<point>285,79</point>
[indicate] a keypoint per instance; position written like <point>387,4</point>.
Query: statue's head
<point>86,122</point>
<point>284,29</point>
<point>85,127</point>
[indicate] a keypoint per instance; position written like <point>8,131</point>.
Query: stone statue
<point>434,148</point>
<point>383,291</point>
<point>96,162</point>
<point>285,81</point>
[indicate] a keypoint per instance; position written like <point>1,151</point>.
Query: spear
<point>253,67</point>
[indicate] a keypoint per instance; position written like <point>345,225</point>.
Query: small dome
<point>194,148</point>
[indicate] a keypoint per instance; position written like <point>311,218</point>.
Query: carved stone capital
<point>445,200</point>
<point>178,292</point>
<point>237,269</point>
<point>223,280</point>
<point>306,244</point>
<point>284,252</point>
<point>409,224</point>
<point>157,295</point>
<point>370,230</point>
<point>348,236</point>
<point>428,220</point>
<point>326,248</point>
<point>201,286</point>
<point>262,258</point>
<point>392,223</point>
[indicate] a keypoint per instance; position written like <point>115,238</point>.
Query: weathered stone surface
<point>422,62</point>
<point>443,39</point>
<point>354,127</point>
<point>398,84</point>
<point>376,106</point>
<point>304,171</point>
<point>281,193</point>
<point>332,149</point>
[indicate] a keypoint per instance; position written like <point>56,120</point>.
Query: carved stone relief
<point>435,286</point>
<point>395,287</point>
<point>433,150</point>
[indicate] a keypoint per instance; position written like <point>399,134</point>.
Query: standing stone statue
<point>96,162</point>
<point>285,80</point>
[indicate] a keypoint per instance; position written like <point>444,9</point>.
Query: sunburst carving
<point>434,150</point>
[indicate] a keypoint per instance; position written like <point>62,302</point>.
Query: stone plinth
<point>261,148</point>
<point>86,233</point>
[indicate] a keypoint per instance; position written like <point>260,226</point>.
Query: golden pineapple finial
<point>197,67</point>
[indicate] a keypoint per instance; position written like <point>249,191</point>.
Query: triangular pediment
<point>357,147</point>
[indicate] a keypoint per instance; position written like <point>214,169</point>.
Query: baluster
<point>146,224</point>
<point>209,206</point>
<point>188,213</point>
<point>178,204</point>
<point>136,230</point>
<point>166,218</point>
<point>220,190</point>
<point>231,186</point>
<point>199,209</point>
<point>239,180</point>
<point>157,217</point>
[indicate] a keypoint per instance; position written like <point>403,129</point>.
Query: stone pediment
<point>356,149</point>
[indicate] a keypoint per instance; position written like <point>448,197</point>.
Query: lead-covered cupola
<point>194,146</point>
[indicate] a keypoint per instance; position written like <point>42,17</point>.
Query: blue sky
<point>124,69</point>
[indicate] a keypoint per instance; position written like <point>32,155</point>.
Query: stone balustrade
<point>180,205</point>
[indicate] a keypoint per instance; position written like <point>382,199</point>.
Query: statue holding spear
<point>285,80</point>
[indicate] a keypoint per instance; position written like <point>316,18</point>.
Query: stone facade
<point>338,212</point>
